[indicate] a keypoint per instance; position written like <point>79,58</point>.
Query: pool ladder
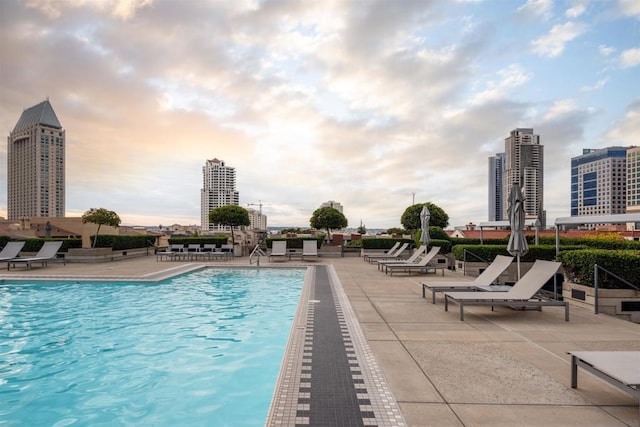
<point>257,253</point>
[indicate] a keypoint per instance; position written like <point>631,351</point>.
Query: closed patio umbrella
<point>517,245</point>
<point>425,215</point>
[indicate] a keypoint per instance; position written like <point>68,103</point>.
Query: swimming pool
<point>199,349</point>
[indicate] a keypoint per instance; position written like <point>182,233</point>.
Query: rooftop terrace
<point>499,367</point>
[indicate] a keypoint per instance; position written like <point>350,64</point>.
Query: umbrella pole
<point>518,267</point>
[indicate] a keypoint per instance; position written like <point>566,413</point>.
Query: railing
<point>257,252</point>
<point>464,259</point>
<point>596,275</point>
<point>150,244</point>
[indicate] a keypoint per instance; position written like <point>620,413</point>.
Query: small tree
<point>411,216</point>
<point>328,218</point>
<point>100,216</point>
<point>230,216</point>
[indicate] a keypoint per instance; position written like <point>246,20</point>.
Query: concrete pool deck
<point>495,368</point>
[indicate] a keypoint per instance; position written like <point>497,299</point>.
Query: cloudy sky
<point>371,103</point>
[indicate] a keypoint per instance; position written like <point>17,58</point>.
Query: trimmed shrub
<point>295,242</point>
<point>579,266</point>
<point>34,245</point>
<point>489,252</point>
<point>376,243</point>
<point>218,240</point>
<point>118,243</point>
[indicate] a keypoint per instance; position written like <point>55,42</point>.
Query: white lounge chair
<point>521,295</point>
<point>421,266</point>
<point>278,249</point>
<point>309,249</point>
<point>10,251</point>
<point>47,252</point>
<point>391,250</point>
<point>481,283</point>
<point>413,258</point>
<point>388,256</point>
<point>619,368</point>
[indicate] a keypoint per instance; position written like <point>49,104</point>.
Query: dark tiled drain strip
<point>329,376</point>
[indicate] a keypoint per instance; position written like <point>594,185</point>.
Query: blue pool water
<point>203,349</point>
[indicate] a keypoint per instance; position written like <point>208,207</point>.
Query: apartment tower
<point>496,196</point>
<point>35,165</point>
<point>524,165</point>
<point>598,182</point>
<point>218,189</point>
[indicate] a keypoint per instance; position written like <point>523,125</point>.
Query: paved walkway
<point>495,368</point>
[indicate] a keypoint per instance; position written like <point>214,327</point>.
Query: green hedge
<point>551,240</point>
<point>295,242</point>
<point>489,252</point>
<point>118,243</point>
<point>376,243</point>
<point>34,245</point>
<point>217,240</point>
<point>579,266</point>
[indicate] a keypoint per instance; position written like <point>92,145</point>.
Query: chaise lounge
<point>521,295</point>
<point>412,259</point>
<point>47,252</point>
<point>422,266</point>
<point>309,249</point>
<point>278,249</point>
<point>388,256</point>
<point>481,283</point>
<point>391,250</point>
<point>10,251</point>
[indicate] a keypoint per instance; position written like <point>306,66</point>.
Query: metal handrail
<point>464,259</point>
<point>257,252</point>
<point>596,270</point>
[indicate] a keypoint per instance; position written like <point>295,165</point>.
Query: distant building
<point>36,165</point>
<point>633,180</point>
<point>218,189</point>
<point>257,219</point>
<point>524,165</point>
<point>332,204</point>
<point>598,182</point>
<point>496,193</point>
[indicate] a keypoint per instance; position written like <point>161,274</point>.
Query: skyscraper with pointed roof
<point>35,165</point>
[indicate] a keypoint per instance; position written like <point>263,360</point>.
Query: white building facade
<point>257,219</point>
<point>332,204</point>
<point>36,165</point>
<point>218,189</point>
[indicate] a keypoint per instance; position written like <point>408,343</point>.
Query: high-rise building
<point>633,180</point>
<point>598,182</point>
<point>332,204</point>
<point>496,172</point>
<point>257,220</point>
<point>35,165</point>
<point>218,189</point>
<point>524,165</point>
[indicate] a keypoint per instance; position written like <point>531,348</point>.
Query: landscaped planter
<point>615,302</point>
<point>93,255</point>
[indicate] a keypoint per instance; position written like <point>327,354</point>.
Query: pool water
<point>200,349</point>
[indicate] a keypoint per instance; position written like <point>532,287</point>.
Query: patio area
<point>496,368</point>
